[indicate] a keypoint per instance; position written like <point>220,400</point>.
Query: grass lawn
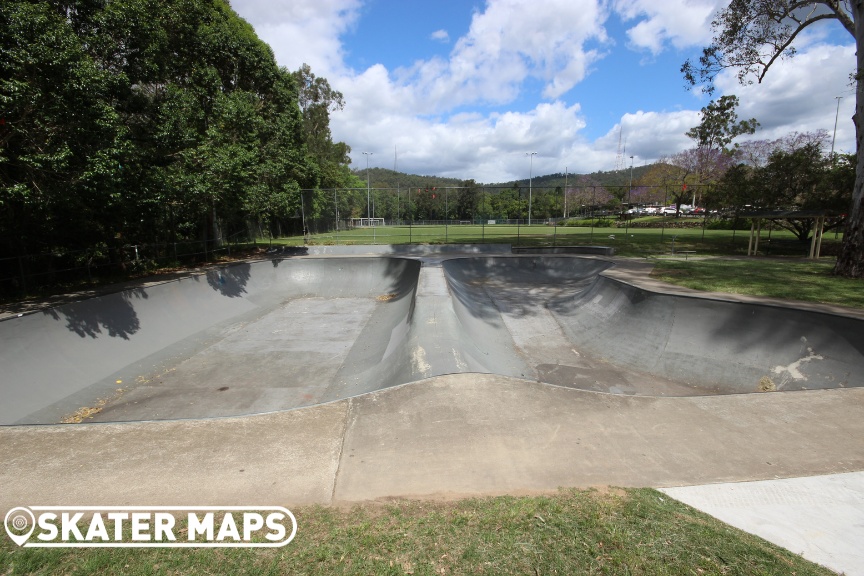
<point>627,242</point>
<point>805,280</point>
<point>634,531</point>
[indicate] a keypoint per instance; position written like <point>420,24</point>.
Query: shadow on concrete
<point>114,313</point>
<point>518,287</point>
<point>230,280</point>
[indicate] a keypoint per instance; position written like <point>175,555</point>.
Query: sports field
<point>626,241</point>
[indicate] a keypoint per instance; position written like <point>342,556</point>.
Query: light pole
<point>631,180</point>
<point>368,210</point>
<point>565,191</point>
<point>629,192</point>
<point>835,127</point>
<point>530,175</point>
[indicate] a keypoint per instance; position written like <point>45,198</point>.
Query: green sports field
<point>627,242</point>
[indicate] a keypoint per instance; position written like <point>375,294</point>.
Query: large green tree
<point>797,175</point>
<point>317,101</point>
<point>130,122</point>
<point>62,141</point>
<point>749,36</point>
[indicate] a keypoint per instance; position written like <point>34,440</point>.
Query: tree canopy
<point>795,175</point>
<point>150,121</point>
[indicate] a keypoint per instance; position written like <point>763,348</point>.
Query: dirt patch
<point>767,385</point>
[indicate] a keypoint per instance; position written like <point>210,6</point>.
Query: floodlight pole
<point>368,209</point>
<point>530,175</point>
<point>629,192</point>
<point>565,191</point>
<point>631,180</point>
<point>835,127</point>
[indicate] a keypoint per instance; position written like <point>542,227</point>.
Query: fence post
<point>23,276</point>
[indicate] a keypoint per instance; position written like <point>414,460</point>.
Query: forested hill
<point>384,178</point>
<point>612,178</point>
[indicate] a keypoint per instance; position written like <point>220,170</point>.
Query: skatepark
<point>369,373</point>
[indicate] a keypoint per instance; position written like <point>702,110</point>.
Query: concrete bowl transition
<point>275,335</point>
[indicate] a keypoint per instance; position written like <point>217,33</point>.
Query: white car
<point>670,210</point>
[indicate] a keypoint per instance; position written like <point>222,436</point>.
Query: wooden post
<point>813,240</point>
<point>752,231</point>
<point>758,234</point>
<point>821,233</point>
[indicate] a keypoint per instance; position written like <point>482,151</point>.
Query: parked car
<point>670,210</point>
<point>698,210</point>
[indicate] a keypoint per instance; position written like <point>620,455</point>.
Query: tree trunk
<point>850,262</point>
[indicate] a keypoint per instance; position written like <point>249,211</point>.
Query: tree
<point>62,143</point>
<point>137,122</point>
<point>679,174</point>
<point>797,175</point>
<point>467,200</point>
<point>793,180</point>
<point>317,100</point>
<point>718,126</point>
<point>586,195</point>
<point>716,131</point>
<point>750,36</point>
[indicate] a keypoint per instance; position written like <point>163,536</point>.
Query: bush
<point>729,224</point>
<point>588,222</point>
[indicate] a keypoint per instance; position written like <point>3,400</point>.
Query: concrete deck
<point>449,436</point>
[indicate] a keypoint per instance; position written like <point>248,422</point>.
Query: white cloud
<point>798,94</point>
<point>303,31</point>
<point>513,40</point>
<point>448,115</point>
<point>488,148</point>
<point>441,36</point>
<point>683,24</point>
<point>653,135</point>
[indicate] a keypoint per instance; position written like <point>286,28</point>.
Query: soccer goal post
<point>366,222</point>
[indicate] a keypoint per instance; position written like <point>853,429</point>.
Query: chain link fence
<point>641,221</point>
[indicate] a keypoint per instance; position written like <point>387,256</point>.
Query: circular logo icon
<point>19,523</point>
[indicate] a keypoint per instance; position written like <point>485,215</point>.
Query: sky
<point>470,88</point>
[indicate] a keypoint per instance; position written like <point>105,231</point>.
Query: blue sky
<point>465,88</point>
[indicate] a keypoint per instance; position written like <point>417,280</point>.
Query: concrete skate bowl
<point>243,339</point>
<point>592,332</point>
<point>276,335</point>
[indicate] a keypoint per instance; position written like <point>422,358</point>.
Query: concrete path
<point>450,436</point>
<point>820,517</point>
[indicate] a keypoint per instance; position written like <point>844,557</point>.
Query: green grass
<point>643,242</point>
<point>804,280</point>
<point>634,531</point>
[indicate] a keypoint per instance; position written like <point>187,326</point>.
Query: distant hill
<point>610,178</point>
<point>385,178</point>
